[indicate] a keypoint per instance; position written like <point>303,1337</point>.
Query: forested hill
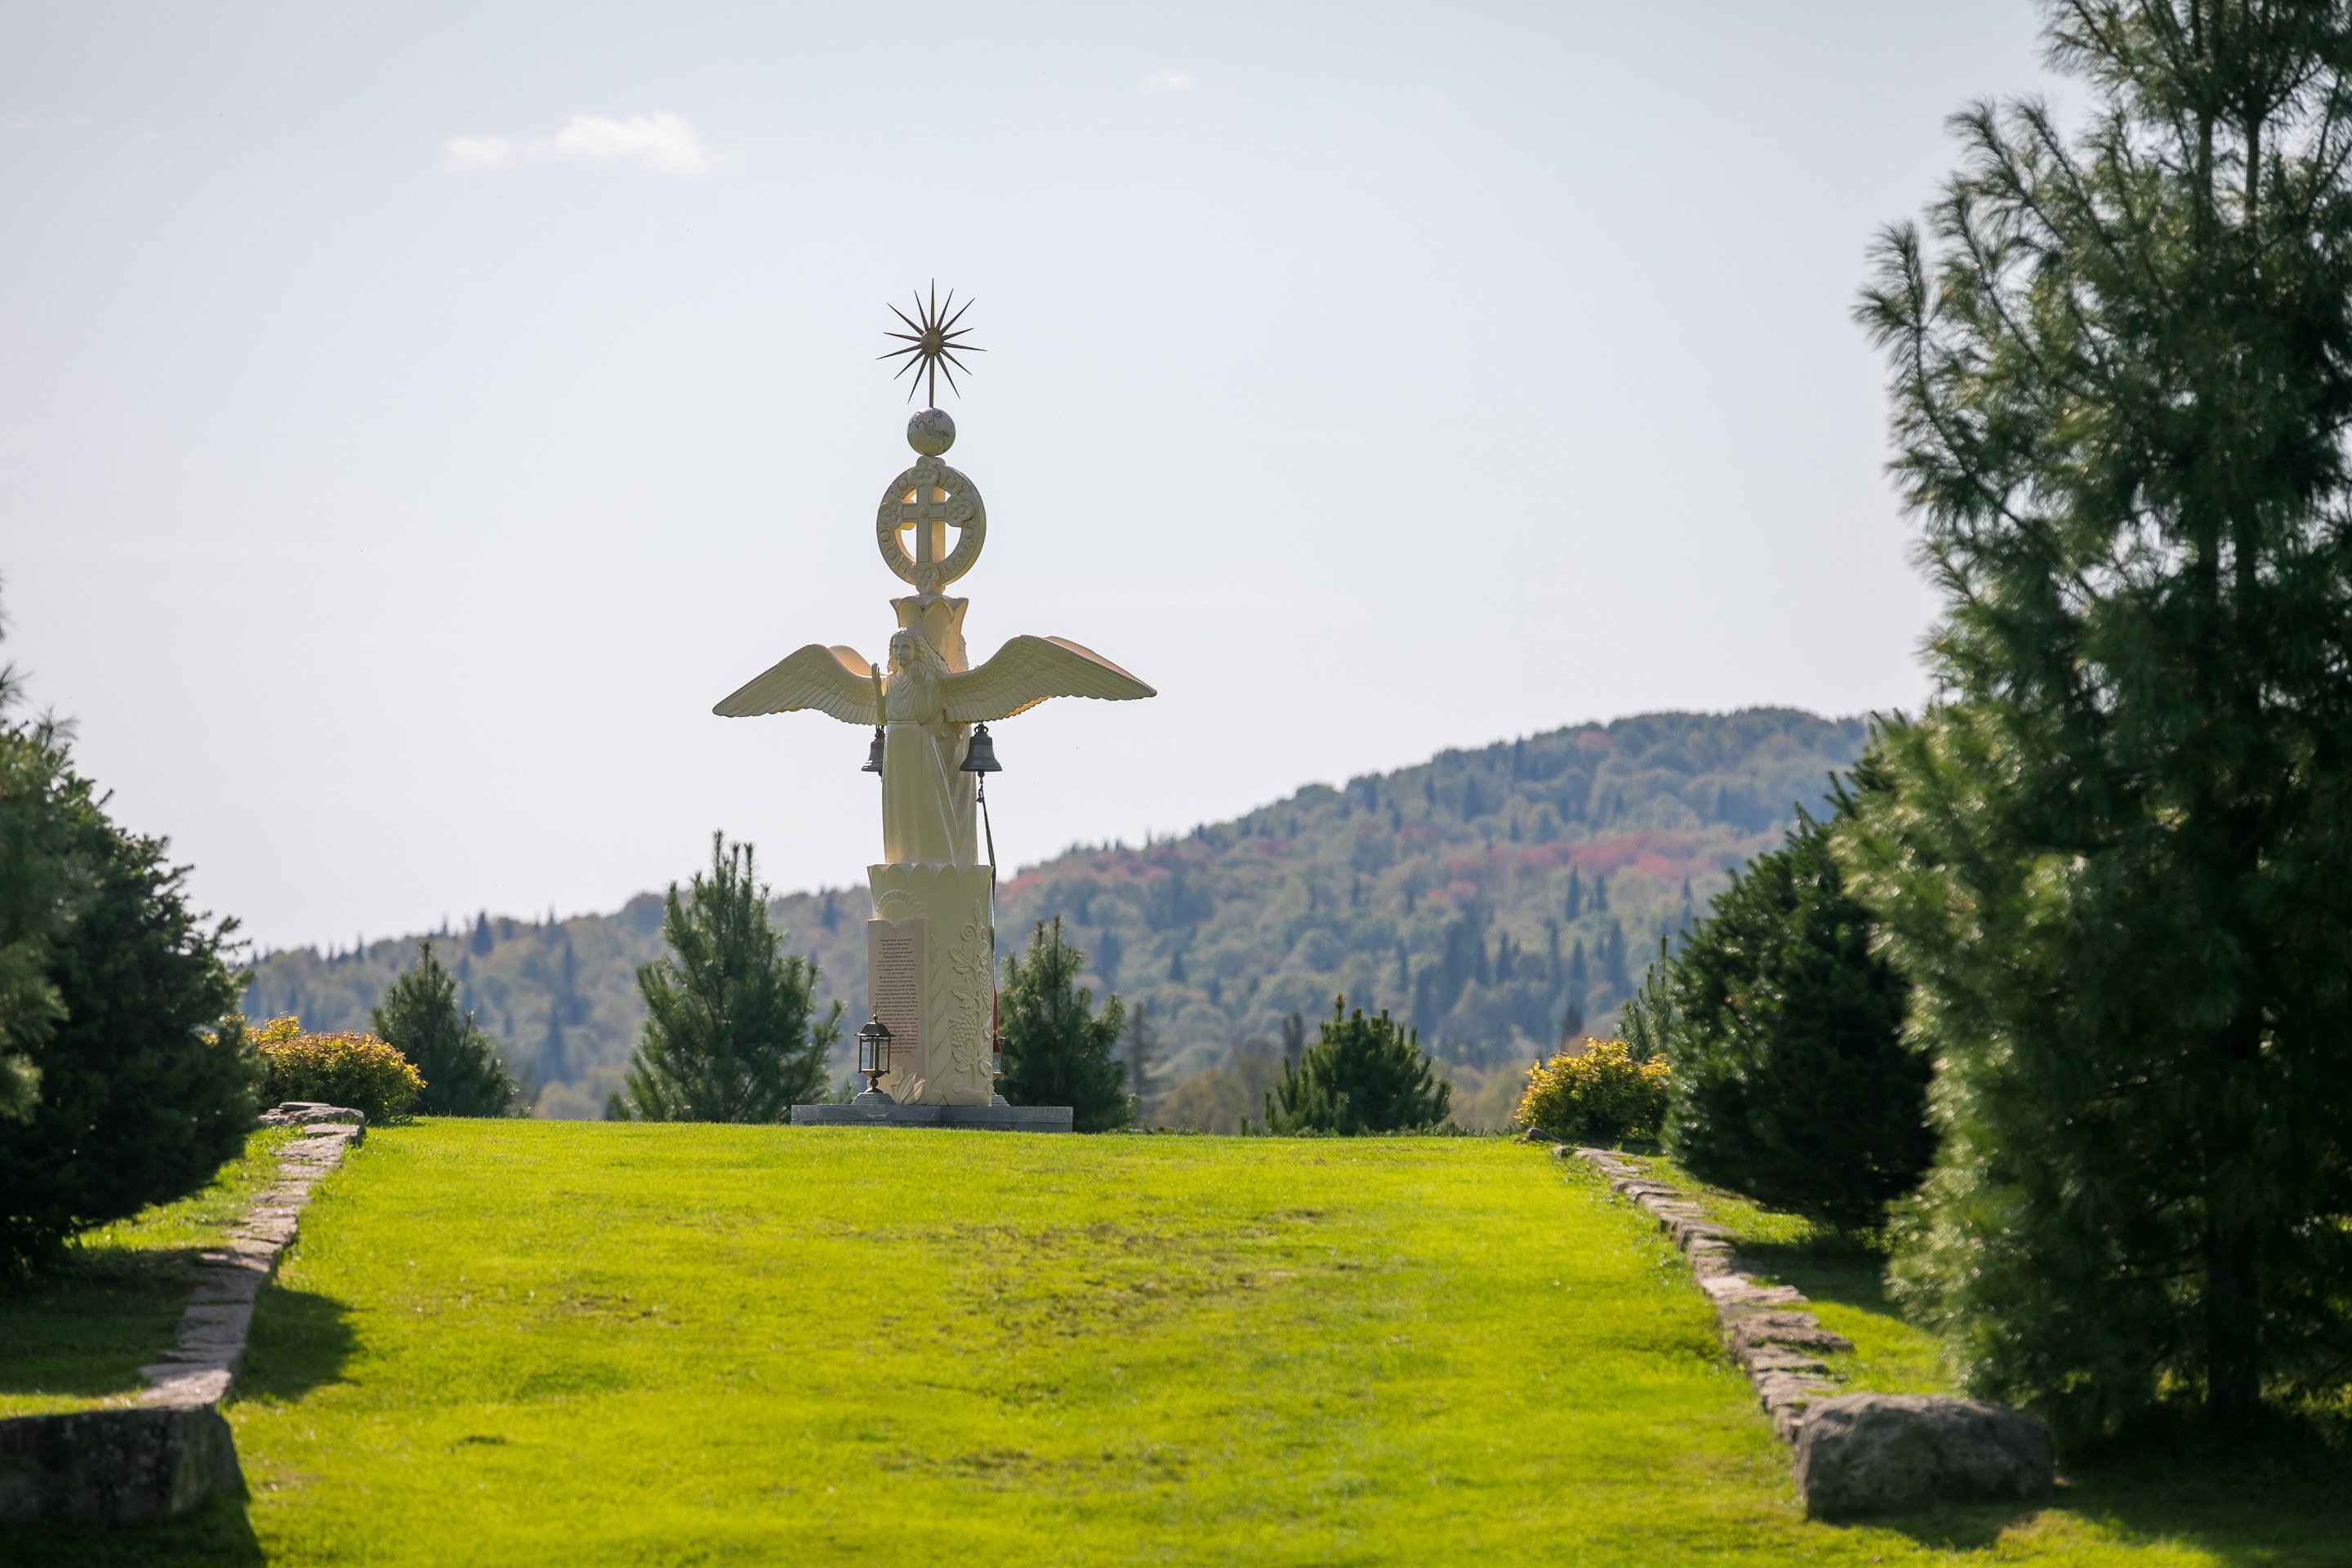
<point>1491,897</point>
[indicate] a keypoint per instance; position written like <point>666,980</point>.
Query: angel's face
<point>902,649</point>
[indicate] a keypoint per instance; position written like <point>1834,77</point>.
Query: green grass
<point>77,1338</point>
<point>1844,1278</point>
<point>590,1344</point>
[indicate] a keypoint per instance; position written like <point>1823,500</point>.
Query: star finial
<point>931,346</point>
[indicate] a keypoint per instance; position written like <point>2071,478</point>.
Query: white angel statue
<point>926,711</point>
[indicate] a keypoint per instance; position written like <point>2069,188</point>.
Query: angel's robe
<point>927,814</point>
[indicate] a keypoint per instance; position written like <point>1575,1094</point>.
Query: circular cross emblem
<point>931,498</point>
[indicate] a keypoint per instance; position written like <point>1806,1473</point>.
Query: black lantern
<point>980,757</point>
<point>874,754</point>
<point>874,1052</point>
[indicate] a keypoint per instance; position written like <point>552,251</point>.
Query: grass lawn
<point>78,1340</point>
<point>506,1341</point>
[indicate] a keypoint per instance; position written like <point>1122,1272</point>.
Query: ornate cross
<point>930,498</point>
<point>929,519</point>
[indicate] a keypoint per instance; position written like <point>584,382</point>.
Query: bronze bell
<point>979,755</point>
<point>874,754</point>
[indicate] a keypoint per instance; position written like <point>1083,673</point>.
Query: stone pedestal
<point>930,977</point>
<point>973,1118</point>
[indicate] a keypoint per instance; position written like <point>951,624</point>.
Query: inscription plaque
<point>894,973</point>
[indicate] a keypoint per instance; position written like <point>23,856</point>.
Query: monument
<point>930,945</point>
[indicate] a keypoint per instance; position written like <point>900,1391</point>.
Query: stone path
<point>1779,1348</point>
<point>211,1336</point>
<point>163,1456</point>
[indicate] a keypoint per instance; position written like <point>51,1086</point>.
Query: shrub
<point>353,1070</point>
<point>1603,1094</point>
<point>1363,1075</point>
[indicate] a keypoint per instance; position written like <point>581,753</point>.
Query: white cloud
<point>661,143</point>
<point>1168,81</point>
<point>480,155</point>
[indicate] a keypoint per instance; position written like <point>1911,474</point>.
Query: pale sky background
<point>413,417</point>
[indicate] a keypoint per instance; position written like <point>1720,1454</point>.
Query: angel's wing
<point>835,680</point>
<point>1027,670</point>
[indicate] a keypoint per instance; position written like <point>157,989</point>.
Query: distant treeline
<point>1489,898</point>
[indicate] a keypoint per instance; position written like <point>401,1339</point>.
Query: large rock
<point>114,1466</point>
<point>1896,1453</point>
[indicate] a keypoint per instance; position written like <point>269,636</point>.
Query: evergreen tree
<point>730,1032</point>
<point>1142,1058</point>
<point>2116,864</point>
<point>1362,1075</point>
<point>419,1018</point>
<point>1791,1080</point>
<point>140,1097</point>
<point>482,942</point>
<point>39,893</point>
<point>1058,1051</point>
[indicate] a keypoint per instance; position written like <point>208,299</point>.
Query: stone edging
<point>211,1335</point>
<point>1779,1348</point>
<point>173,1449</point>
<point>1855,1453</point>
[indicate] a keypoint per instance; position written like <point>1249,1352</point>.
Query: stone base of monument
<point>977,1118</point>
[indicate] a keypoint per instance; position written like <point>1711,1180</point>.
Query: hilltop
<point>1491,897</point>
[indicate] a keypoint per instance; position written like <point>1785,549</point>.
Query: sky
<point>413,417</point>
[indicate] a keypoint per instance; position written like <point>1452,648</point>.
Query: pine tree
<point>1362,1075</point>
<point>1142,1058</point>
<point>419,1018</point>
<point>732,1032</point>
<point>1058,1050</point>
<point>552,1061</point>
<point>2116,864</point>
<point>483,942</point>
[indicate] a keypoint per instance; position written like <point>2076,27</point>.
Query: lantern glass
<point>874,1050</point>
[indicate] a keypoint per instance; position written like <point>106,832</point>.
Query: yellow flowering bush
<point>1603,1095</point>
<point>349,1069</point>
